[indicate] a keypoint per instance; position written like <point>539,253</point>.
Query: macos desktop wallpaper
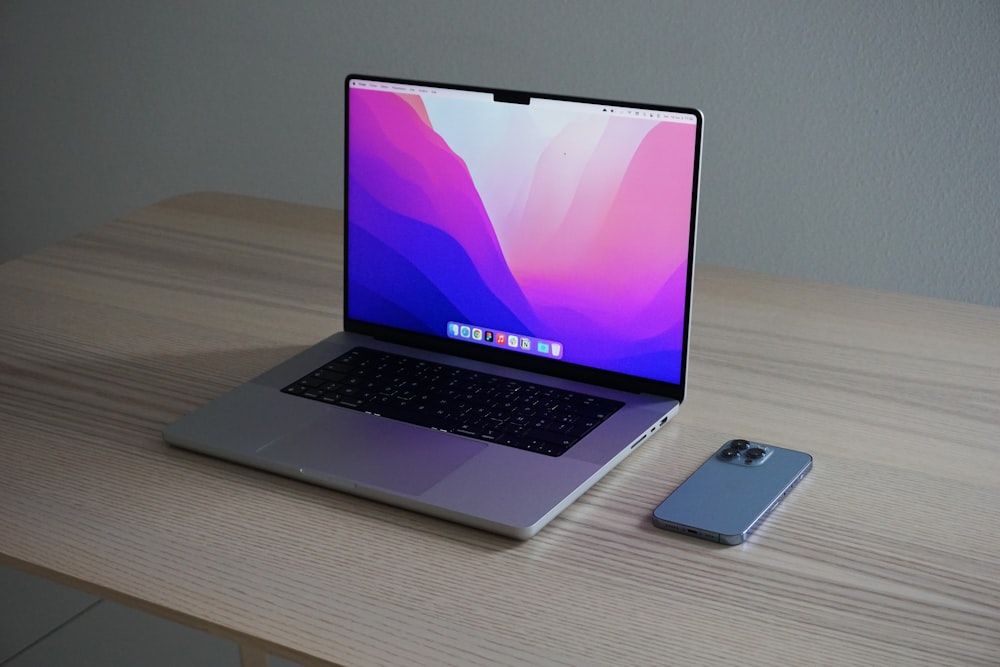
<point>546,220</point>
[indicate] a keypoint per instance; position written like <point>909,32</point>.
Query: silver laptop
<point>517,298</point>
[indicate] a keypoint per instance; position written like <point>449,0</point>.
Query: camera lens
<point>729,452</point>
<point>739,445</point>
<point>755,453</point>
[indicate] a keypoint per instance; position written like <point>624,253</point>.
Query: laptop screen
<point>555,228</point>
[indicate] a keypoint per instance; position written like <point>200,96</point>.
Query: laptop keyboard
<point>448,398</point>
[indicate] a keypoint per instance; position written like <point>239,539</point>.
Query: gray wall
<point>853,142</point>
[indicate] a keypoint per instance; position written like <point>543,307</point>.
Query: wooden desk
<point>889,552</point>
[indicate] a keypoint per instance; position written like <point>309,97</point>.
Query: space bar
<point>408,415</point>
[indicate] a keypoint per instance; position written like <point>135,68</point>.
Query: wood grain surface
<point>888,552</point>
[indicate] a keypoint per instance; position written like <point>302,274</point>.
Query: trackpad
<point>373,451</point>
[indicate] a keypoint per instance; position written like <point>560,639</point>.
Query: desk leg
<point>252,657</point>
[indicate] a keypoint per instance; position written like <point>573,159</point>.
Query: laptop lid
<point>548,233</point>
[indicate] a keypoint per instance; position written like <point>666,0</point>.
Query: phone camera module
<point>744,452</point>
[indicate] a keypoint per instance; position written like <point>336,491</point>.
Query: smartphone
<point>726,498</point>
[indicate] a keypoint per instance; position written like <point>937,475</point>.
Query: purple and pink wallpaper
<point>544,220</point>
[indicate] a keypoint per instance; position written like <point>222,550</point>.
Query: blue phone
<point>726,498</point>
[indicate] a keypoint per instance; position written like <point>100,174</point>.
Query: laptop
<point>517,300</point>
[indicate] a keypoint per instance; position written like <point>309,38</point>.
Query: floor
<point>43,624</point>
